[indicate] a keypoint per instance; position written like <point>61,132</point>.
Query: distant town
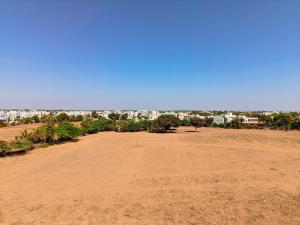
<point>218,117</point>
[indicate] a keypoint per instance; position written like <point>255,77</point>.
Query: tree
<point>145,124</point>
<point>283,121</point>
<point>208,122</point>
<point>184,122</point>
<point>102,124</point>
<point>66,131</point>
<point>42,134</point>
<point>79,118</point>
<point>114,116</point>
<point>235,124</point>
<point>62,117</point>
<point>94,115</point>
<point>4,148</point>
<point>196,122</point>
<point>124,116</point>
<point>87,126</point>
<point>128,126</point>
<point>35,119</point>
<point>164,123</point>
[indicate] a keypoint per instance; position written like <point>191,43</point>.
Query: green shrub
<point>20,145</point>
<point>184,122</point>
<point>62,117</point>
<point>128,126</point>
<point>42,134</point>
<point>66,131</point>
<point>164,123</point>
<point>4,148</point>
<point>145,124</point>
<point>156,127</point>
<point>235,124</point>
<point>102,124</point>
<point>196,122</point>
<point>88,126</point>
<point>79,118</point>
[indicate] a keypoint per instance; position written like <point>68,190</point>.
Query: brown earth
<point>9,133</point>
<point>214,176</point>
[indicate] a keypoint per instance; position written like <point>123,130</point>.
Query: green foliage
<point>283,121</point>
<point>114,117</point>
<point>26,120</point>
<point>35,119</point>
<point>87,126</point>
<point>79,118</point>
<point>208,122</point>
<point>4,148</point>
<point>94,115</point>
<point>235,124</point>
<point>185,122</point>
<point>42,134</point>
<point>66,131</point>
<point>48,118</point>
<point>296,124</point>
<point>21,145</point>
<point>62,117</point>
<point>129,126</point>
<point>164,123</point>
<point>145,124</point>
<point>102,124</point>
<point>196,122</point>
<point>124,116</point>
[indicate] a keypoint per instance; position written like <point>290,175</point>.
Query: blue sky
<point>160,54</point>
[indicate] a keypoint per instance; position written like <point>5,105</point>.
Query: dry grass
<point>214,176</point>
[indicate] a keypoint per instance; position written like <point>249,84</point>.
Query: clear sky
<point>160,54</point>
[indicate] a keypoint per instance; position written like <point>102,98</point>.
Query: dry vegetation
<point>214,176</point>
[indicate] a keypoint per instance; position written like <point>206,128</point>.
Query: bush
<point>66,131</point>
<point>145,125</point>
<point>185,122</point>
<point>156,127</point>
<point>164,123</point>
<point>114,117</point>
<point>20,145</point>
<point>79,118</point>
<point>296,124</point>
<point>42,134</point>
<point>62,117</point>
<point>235,124</point>
<point>168,121</point>
<point>4,148</point>
<point>35,119</point>
<point>102,124</point>
<point>87,126</point>
<point>196,122</point>
<point>94,115</point>
<point>129,126</point>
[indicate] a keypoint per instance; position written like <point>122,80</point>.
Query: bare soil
<point>9,133</point>
<point>214,176</point>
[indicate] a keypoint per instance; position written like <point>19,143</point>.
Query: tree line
<point>59,129</point>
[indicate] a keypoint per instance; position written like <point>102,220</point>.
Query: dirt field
<point>9,133</point>
<point>214,176</point>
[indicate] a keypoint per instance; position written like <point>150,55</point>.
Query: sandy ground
<point>9,133</point>
<point>214,176</point>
